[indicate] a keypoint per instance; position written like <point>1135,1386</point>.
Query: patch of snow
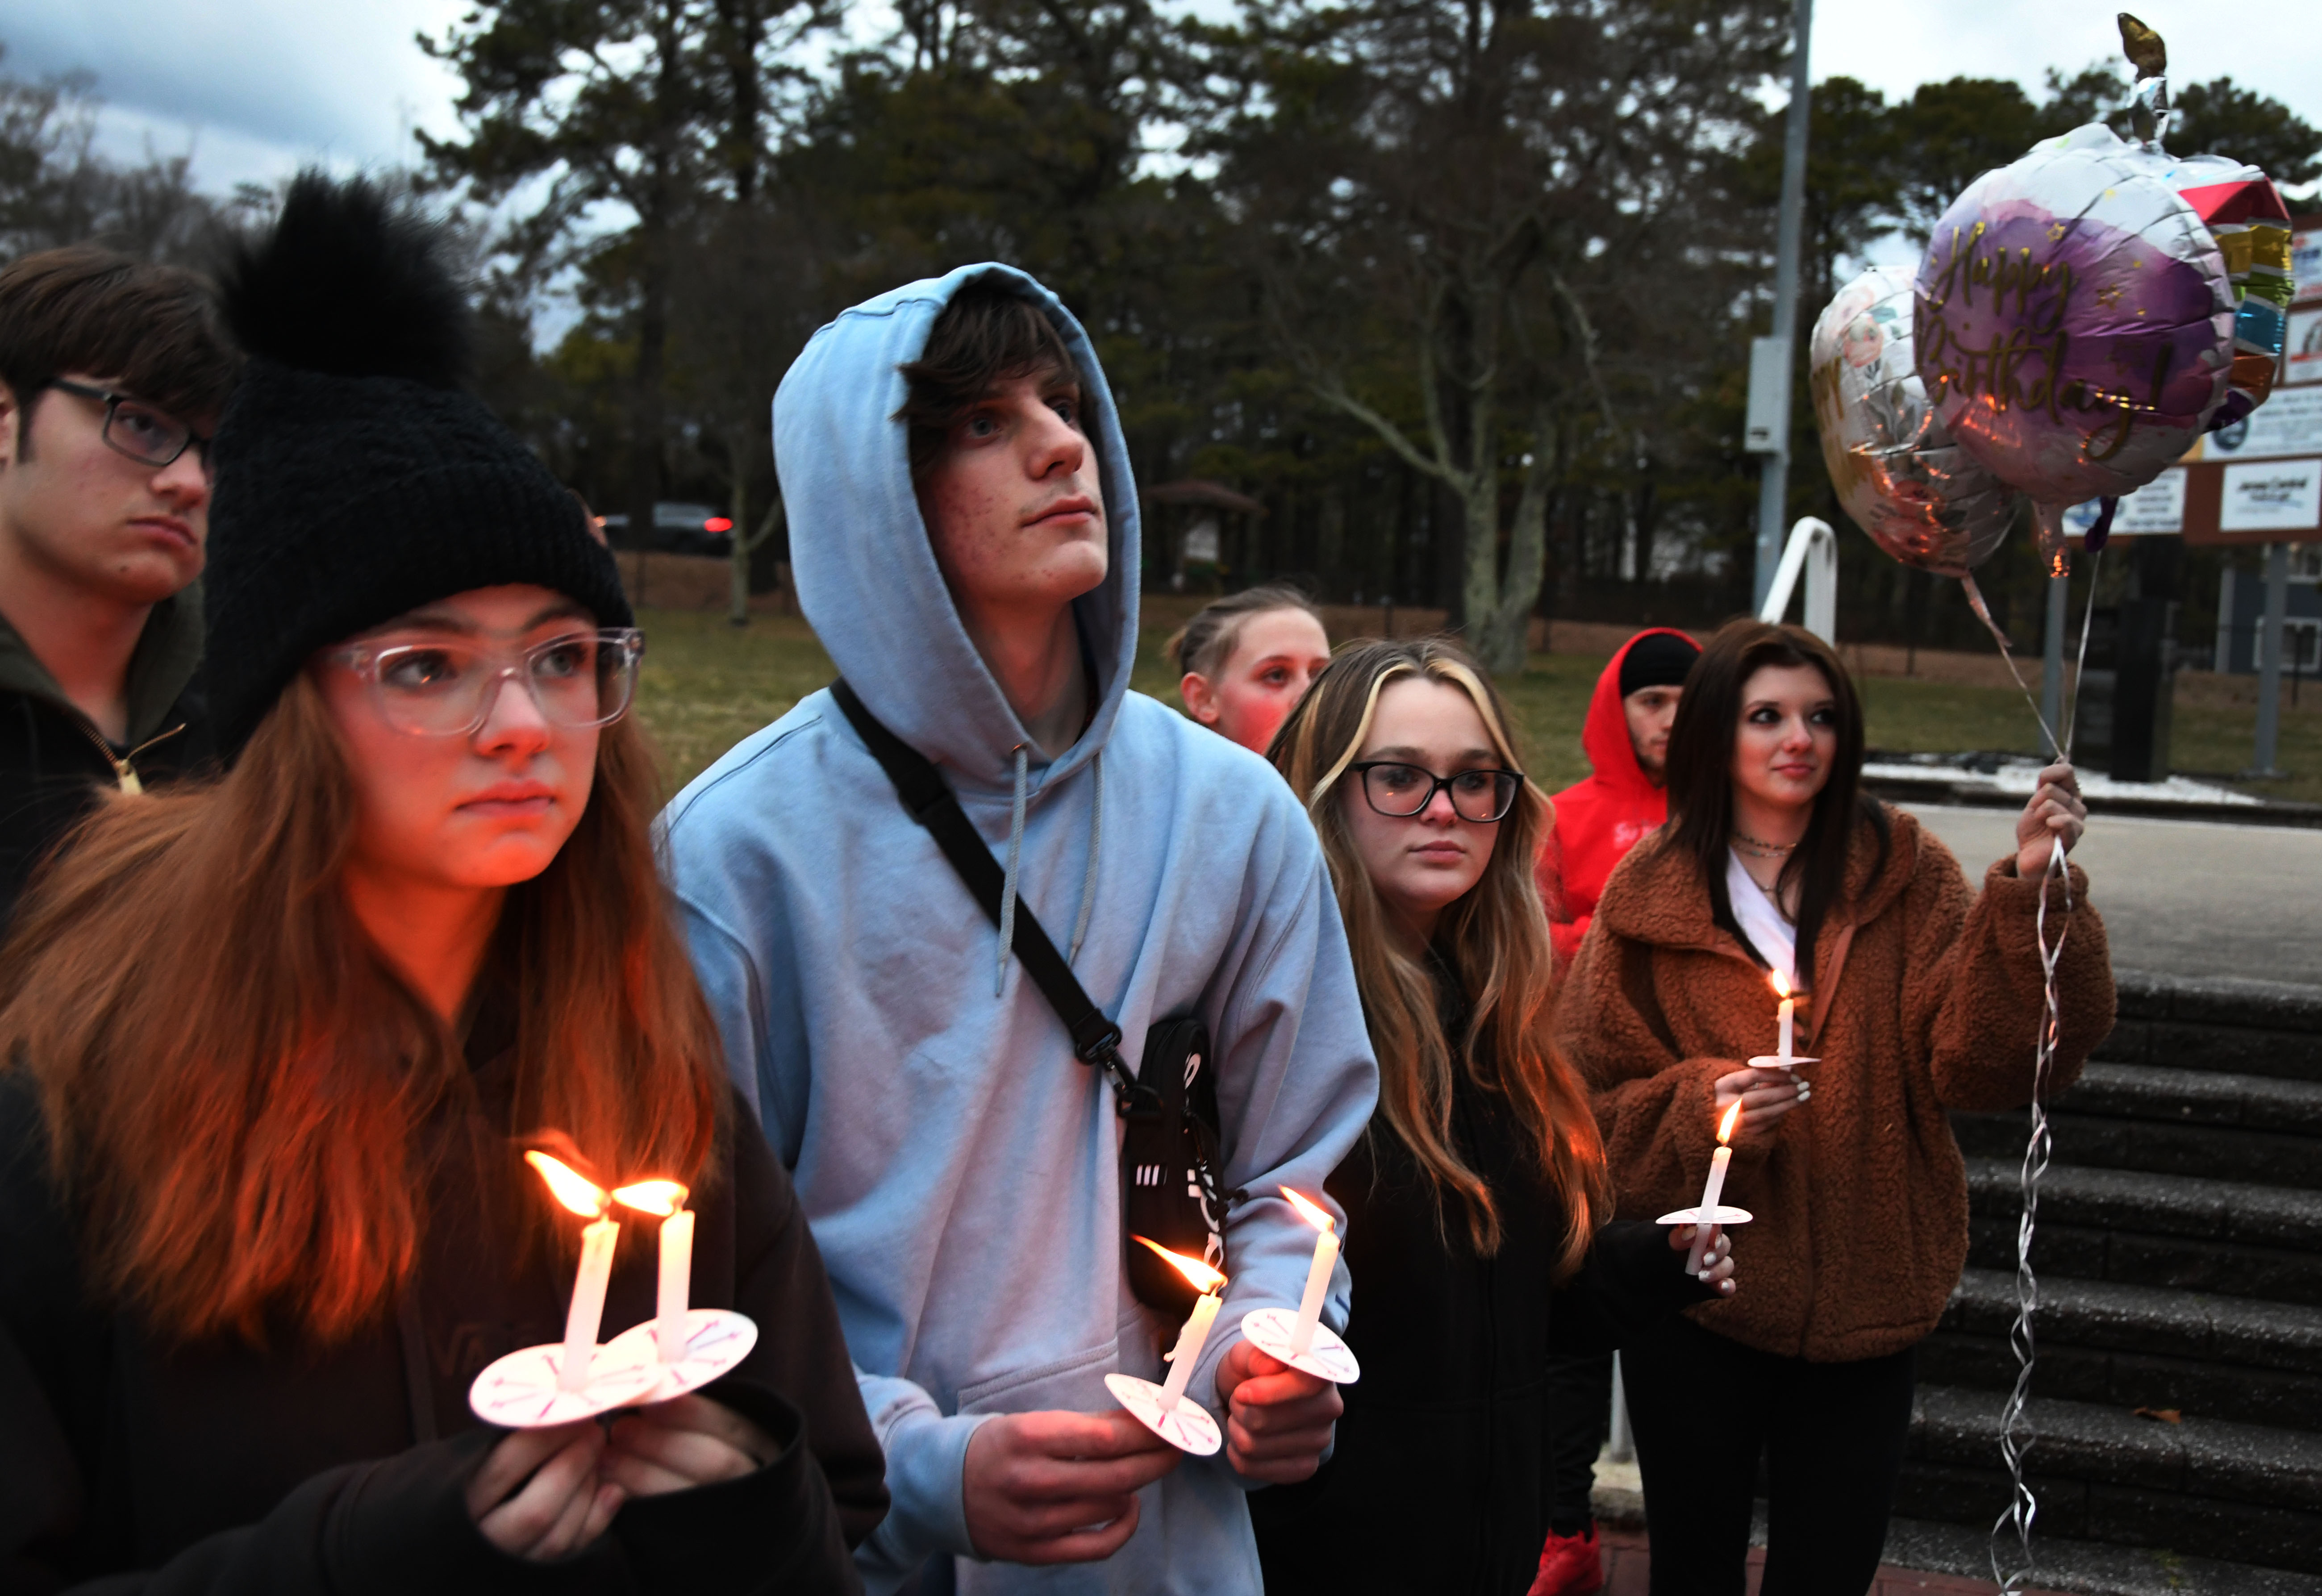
<point>2018,776</point>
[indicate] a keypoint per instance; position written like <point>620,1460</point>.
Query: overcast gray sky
<point>255,87</point>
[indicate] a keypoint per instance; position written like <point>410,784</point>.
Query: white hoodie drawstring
<point>1008,882</point>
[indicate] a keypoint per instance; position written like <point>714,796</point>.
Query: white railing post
<point>1620,1440</point>
<point>1812,552</point>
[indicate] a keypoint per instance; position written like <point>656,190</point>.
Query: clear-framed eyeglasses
<point>145,432</point>
<point>447,688</point>
<point>1400,791</point>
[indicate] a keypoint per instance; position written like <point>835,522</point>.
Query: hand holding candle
<point>1704,1232</point>
<point>1711,1215</point>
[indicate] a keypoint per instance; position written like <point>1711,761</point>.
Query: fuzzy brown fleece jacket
<point>1928,997</point>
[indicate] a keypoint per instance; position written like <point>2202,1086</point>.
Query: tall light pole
<point>1771,359</point>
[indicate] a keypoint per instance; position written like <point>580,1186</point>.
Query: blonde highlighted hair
<point>1493,941</point>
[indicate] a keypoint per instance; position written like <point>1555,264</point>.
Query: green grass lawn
<point>706,685</point>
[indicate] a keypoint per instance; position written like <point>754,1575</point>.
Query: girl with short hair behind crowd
<point>1476,1201</point>
<point>1917,996</point>
<point>270,1043</point>
<point>1248,659</point>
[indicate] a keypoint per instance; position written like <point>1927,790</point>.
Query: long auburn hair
<point>1494,941</point>
<point>1701,773</point>
<point>236,1084</point>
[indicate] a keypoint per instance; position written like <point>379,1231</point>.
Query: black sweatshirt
<point>220,1469</point>
<point>1440,1481</point>
<point>54,763</point>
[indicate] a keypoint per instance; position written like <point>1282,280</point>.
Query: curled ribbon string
<point>2016,1433</point>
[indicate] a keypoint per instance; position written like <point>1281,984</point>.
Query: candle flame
<point>1726,1125</point>
<point>1313,1213</point>
<point>652,1197</point>
<point>569,1186</point>
<point>1781,986</point>
<point>1204,1279</point>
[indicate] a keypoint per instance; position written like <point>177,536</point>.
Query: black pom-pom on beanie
<point>355,478</point>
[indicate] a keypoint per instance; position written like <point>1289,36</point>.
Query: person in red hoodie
<point>1600,819</point>
<point>1597,821</point>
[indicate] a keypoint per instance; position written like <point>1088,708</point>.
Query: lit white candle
<point>1196,1333</point>
<point>1318,1273</point>
<point>675,1292</point>
<point>1715,1188</point>
<point>584,1196</point>
<point>1788,1012</point>
<point>1191,1339</point>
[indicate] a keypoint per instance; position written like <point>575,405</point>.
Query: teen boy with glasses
<point>964,540</point>
<point>113,372</point>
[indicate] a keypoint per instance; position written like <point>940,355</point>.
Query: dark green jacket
<point>53,761</point>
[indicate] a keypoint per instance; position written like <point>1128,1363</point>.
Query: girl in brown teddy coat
<point>1918,995</point>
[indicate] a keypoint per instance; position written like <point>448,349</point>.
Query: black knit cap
<point>355,476</point>
<point>1658,660</point>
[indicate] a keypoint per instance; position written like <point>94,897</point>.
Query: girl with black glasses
<point>1476,1201</point>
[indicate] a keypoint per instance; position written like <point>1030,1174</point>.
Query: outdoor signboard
<point>2259,481</point>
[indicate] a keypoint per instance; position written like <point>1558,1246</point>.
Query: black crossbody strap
<point>1096,1040</point>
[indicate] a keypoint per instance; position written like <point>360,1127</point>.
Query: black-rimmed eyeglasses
<point>145,432</point>
<point>1400,791</point>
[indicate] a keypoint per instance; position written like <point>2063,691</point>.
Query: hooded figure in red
<point>1600,819</point>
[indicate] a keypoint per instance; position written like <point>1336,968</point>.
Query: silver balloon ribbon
<point>2017,1434</point>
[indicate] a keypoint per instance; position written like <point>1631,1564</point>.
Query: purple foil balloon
<point>2075,320</point>
<point>1892,463</point>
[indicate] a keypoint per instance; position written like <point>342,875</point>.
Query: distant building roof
<point>1201,490</point>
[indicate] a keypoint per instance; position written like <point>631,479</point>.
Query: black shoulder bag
<point>1170,1106</point>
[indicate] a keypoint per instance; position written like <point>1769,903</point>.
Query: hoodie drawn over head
<point>957,1164</point>
<point>1598,820</point>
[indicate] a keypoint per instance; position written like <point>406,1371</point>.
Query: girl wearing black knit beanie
<point>273,1042</point>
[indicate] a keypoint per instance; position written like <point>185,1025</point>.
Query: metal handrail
<point>1813,550</point>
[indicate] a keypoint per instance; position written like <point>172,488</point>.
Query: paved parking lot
<point>2181,897</point>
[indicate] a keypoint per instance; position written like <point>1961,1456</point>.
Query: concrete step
<point>2088,1568</point>
<point>2224,1237</point>
<point>2205,1488</point>
<point>2136,1346</point>
<point>2211,1125</point>
<point>2246,1027</point>
<point>2210,1097</point>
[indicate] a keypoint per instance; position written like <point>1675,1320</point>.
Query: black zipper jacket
<point>219,1470</point>
<point>1440,1480</point>
<point>53,761</point>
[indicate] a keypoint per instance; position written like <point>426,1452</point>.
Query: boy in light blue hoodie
<point>965,541</point>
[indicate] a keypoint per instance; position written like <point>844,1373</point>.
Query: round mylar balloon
<point>2075,320</point>
<point>1895,467</point>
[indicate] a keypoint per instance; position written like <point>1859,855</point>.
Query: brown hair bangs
<point>238,1091</point>
<point>986,335</point>
<point>152,330</point>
